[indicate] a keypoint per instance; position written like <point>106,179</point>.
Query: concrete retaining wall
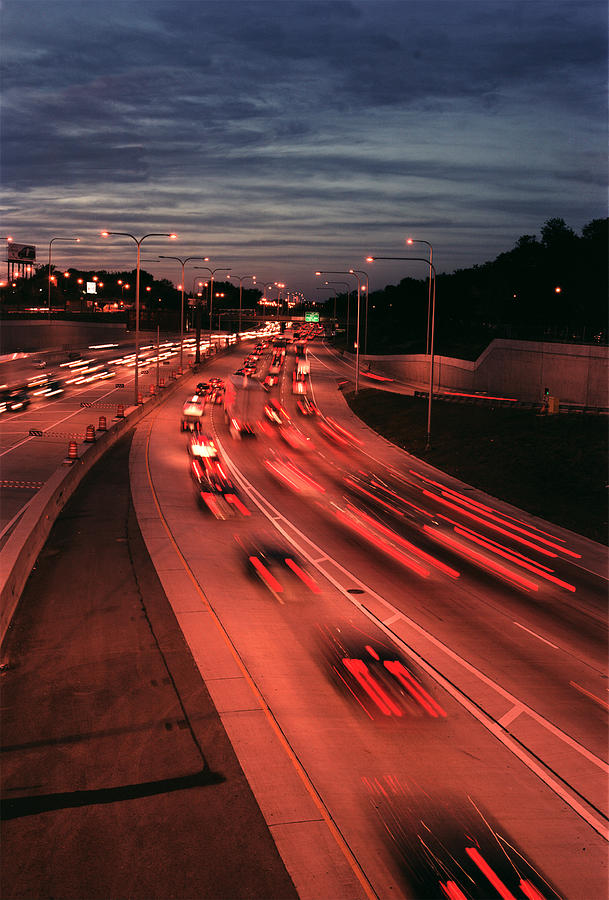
<point>576,374</point>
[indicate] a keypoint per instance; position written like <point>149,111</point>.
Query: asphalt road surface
<point>414,679</point>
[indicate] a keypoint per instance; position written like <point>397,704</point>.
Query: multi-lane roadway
<point>414,677</point>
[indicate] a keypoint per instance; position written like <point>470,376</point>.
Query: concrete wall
<point>522,369</point>
<point>37,334</point>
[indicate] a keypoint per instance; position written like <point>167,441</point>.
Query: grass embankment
<point>552,466</point>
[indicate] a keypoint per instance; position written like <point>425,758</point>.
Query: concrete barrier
<point>21,550</point>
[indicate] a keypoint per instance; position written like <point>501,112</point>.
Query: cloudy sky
<point>279,137</point>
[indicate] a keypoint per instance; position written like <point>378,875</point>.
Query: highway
<point>434,666</point>
<point>413,676</point>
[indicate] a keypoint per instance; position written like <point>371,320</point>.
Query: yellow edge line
<point>334,830</point>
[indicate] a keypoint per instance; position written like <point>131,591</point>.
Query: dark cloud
<point>312,124</point>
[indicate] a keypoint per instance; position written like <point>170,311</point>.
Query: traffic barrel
<point>102,424</point>
<point>72,451</point>
<point>120,411</point>
<point>140,400</point>
<point>161,382</point>
<point>153,390</point>
<point>180,371</point>
<point>172,375</point>
<point>90,434</point>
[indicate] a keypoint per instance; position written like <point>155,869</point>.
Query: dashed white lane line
<point>512,714</point>
<point>538,636</point>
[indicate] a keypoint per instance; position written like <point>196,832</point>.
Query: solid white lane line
<point>494,727</point>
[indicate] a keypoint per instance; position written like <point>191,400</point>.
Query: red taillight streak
<point>196,467</point>
<point>490,564</point>
<point>492,876</point>
<point>283,477</point>
<point>305,477</point>
<point>344,431</point>
<point>211,502</point>
<point>483,506</point>
<point>352,692</point>
<point>419,509</point>
<point>515,559</point>
<point>375,377</point>
<point>383,545</point>
<point>524,531</point>
<point>374,497</point>
<point>494,543</point>
<point>530,891</point>
<point>359,670</point>
<point>332,434</point>
<point>488,524</point>
<point>372,652</point>
<point>302,575</point>
<point>413,687</point>
<point>266,576</point>
<point>404,543</point>
<point>232,498</point>
<point>453,891</point>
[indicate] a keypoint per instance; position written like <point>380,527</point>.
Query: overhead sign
<point>311,317</point>
<point>21,252</point>
<point>91,287</point>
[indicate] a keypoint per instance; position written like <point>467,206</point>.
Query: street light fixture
<point>51,242</point>
<point>183,263</point>
<point>359,288</point>
<point>411,241</point>
<point>433,322</point>
<point>240,279</point>
<point>138,243</point>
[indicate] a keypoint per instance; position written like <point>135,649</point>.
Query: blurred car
<point>14,400</point>
<point>192,413</point>
<point>202,445</point>
<point>202,388</point>
<point>306,407</point>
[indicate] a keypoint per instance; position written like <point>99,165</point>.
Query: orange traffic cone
<point>102,424</point>
<point>90,435</point>
<point>120,411</point>
<point>72,451</point>
<point>140,400</point>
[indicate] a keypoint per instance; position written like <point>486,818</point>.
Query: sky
<point>280,137</point>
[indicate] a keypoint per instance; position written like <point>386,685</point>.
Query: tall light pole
<point>365,274</point>
<point>240,279</point>
<point>51,242</point>
<point>183,264</point>
<point>211,300</point>
<point>411,241</point>
<point>359,288</point>
<point>138,242</point>
<point>433,322</point>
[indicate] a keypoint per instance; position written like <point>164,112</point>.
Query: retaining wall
<point>577,374</point>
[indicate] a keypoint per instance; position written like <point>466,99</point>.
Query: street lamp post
<point>51,242</point>
<point>419,241</point>
<point>240,279</point>
<point>365,274</point>
<point>433,324</point>
<point>138,243</point>
<point>211,299</point>
<point>359,288</point>
<point>183,264</point>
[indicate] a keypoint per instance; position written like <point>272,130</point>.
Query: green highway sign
<point>311,317</point>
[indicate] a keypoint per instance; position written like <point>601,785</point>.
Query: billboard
<point>311,317</point>
<point>91,287</point>
<point>21,252</point>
